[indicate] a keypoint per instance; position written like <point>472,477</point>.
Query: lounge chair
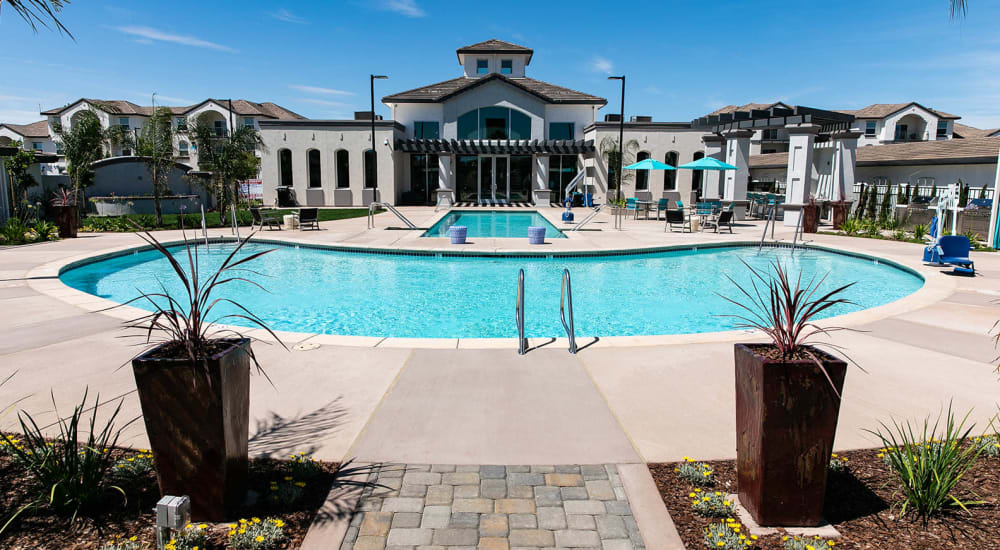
<point>262,219</point>
<point>954,250</point>
<point>309,217</point>
<point>677,217</point>
<point>725,218</point>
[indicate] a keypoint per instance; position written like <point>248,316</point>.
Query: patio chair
<point>954,250</point>
<point>662,205</point>
<point>725,218</point>
<point>309,217</point>
<point>262,219</point>
<point>631,204</point>
<point>677,217</point>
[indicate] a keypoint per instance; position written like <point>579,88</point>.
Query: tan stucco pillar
<point>798,177</point>
<point>446,181</point>
<point>540,192</point>
<point>737,154</point>
<point>845,157</point>
<point>712,179</point>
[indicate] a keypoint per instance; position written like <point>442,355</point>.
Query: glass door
<point>500,182</point>
<point>485,179</point>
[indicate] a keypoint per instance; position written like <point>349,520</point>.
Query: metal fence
<point>922,190</point>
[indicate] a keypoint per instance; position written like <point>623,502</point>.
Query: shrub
<point>973,238</point>
<point>870,228</point>
<point>802,543</point>
<point>698,473</point>
<point>711,505</point>
<point>899,235</point>
<point>302,466</point>
<point>838,464</point>
<point>119,542</point>
<point>286,492</point>
<point>13,231</point>
<point>727,536</point>
<point>131,469</point>
<point>919,231</point>
<point>71,474</point>
<point>990,445</point>
<point>851,226</point>
<point>191,537</point>
<point>256,534</point>
<point>928,468</point>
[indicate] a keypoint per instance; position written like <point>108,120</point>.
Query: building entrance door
<point>494,178</point>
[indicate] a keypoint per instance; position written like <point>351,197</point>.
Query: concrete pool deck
<point>618,401</point>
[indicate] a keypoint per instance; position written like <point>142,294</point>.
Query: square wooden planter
<point>786,418</point>
<point>197,419</point>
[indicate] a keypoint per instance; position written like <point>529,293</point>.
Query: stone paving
<point>438,507</point>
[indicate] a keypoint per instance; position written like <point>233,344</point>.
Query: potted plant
<point>810,216</point>
<point>65,212</point>
<point>193,381</point>
<point>787,398</point>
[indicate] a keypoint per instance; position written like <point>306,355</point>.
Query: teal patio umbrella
<point>707,163</point>
<point>649,164</point>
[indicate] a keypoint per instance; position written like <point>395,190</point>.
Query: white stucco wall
<point>518,69</point>
<point>494,93</point>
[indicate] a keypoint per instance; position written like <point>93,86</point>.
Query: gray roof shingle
<point>38,129</point>
<point>494,45</point>
<point>947,151</point>
<point>441,91</point>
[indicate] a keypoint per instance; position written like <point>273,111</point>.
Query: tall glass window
<point>369,169</point>
<point>642,176</point>
<point>285,168</point>
<point>670,176</point>
<point>494,123</point>
<point>426,130</point>
<point>482,66</point>
<point>561,130</point>
<point>696,175</point>
<point>343,169</point>
<point>467,177</point>
<point>506,66</point>
<point>520,178</point>
<point>423,176</point>
<point>313,161</point>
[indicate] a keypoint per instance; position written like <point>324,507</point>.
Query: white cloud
<point>324,102</point>
<point>409,8</point>
<point>287,16</point>
<point>318,90</point>
<point>601,65</point>
<point>162,36</point>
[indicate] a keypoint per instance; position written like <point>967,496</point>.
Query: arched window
<point>670,176</point>
<point>343,169</point>
<point>642,176</point>
<point>494,123</point>
<point>285,168</point>
<point>696,175</point>
<point>314,169</point>
<point>369,169</point>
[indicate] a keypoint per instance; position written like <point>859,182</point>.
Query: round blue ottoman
<point>458,233</point>
<point>536,235</point>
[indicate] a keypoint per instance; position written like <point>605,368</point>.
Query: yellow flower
<point>830,543</point>
<point>691,495</point>
<point>300,483</point>
<point>278,523</point>
<point>202,526</point>
<point>255,520</point>
<point>133,538</point>
<point>288,478</point>
<point>720,544</point>
<point>242,531</point>
<point>260,538</point>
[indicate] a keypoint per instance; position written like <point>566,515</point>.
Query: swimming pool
<point>494,223</point>
<point>439,296</point>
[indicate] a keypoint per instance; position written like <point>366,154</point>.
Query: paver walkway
<point>437,507</point>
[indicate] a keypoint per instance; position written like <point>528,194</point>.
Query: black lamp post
<point>621,134</point>
<point>374,166</point>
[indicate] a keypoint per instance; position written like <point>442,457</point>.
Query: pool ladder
<point>390,208</point>
<point>565,306</point>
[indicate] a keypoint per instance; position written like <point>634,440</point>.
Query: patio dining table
<point>645,206</point>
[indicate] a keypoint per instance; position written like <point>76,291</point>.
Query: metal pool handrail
<point>522,342</point>
<point>390,208</point>
<point>589,217</point>
<point>767,221</point>
<point>566,298</point>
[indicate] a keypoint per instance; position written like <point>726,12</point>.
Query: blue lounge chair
<point>954,250</point>
<point>933,228</point>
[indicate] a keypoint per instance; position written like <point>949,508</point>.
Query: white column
<point>798,178</point>
<point>737,154</point>
<point>446,180</point>
<point>540,192</point>
<point>845,156</point>
<point>712,179</point>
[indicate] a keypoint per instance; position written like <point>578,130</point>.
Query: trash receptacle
<point>458,233</point>
<point>285,196</point>
<point>536,235</point>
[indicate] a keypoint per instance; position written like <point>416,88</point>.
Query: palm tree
<point>39,12</point>
<point>230,157</point>
<point>958,7</point>
<point>155,145</point>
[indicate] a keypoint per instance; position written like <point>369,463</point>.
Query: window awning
<point>496,146</point>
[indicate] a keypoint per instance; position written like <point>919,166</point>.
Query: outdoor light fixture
<point>371,82</point>
<point>171,513</point>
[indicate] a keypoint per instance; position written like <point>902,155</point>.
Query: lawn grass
<point>193,221</point>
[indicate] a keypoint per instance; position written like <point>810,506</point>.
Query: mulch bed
<point>860,503</point>
<point>43,529</point>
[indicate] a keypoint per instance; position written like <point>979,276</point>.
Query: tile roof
<point>965,131</point>
<point>240,107</point>
<point>38,129</point>
<point>882,110</point>
<point>949,151</point>
<point>436,93</point>
<point>494,46</point>
<point>747,107</point>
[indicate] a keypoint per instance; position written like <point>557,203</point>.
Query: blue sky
<point>682,59</point>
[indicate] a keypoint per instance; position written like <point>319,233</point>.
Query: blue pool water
<point>340,292</point>
<point>494,224</point>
